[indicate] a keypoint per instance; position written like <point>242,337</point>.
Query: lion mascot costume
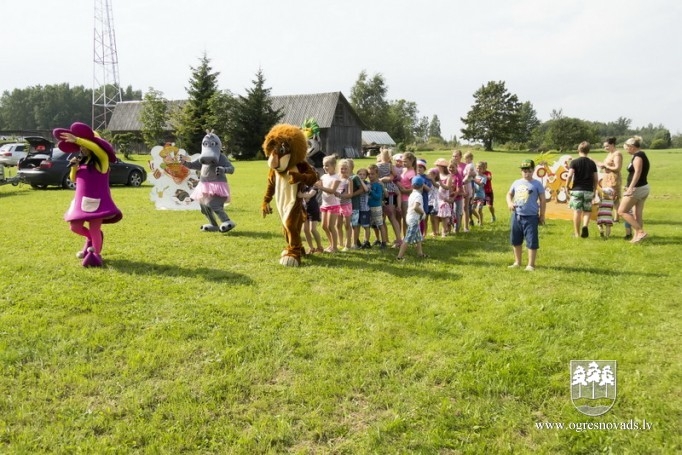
<point>285,147</point>
<point>213,191</point>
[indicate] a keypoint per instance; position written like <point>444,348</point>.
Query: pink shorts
<point>333,209</point>
<point>346,210</point>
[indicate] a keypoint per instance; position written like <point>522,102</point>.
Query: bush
<point>659,144</point>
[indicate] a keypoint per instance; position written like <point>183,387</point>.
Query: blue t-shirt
<point>376,194</point>
<point>525,195</point>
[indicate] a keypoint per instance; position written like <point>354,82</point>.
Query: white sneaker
<point>514,266</point>
<point>530,268</point>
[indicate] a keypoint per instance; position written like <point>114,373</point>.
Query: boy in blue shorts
<point>526,201</point>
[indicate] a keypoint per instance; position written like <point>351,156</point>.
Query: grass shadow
<point>148,268</point>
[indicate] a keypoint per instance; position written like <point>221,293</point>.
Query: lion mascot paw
<point>285,147</point>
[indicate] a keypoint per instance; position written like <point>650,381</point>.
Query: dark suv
<point>45,165</point>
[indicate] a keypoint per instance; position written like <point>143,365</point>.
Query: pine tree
<point>253,116</point>
<point>196,115</point>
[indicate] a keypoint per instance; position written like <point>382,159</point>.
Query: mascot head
<point>312,133</point>
<point>82,131</point>
<point>210,149</point>
<point>285,146</point>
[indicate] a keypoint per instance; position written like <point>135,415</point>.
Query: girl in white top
<point>345,188</point>
<point>329,184</point>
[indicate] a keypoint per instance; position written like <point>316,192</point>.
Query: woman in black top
<point>637,189</point>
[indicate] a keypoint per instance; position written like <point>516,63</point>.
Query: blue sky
<point>596,60</point>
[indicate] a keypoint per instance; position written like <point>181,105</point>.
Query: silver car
<point>10,154</point>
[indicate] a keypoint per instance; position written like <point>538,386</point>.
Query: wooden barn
<point>340,126</point>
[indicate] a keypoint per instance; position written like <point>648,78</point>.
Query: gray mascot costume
<point>213,191</point>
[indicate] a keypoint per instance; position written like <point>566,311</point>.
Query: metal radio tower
<point>106,88</point>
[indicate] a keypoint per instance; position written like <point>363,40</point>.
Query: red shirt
<point>488,187</point>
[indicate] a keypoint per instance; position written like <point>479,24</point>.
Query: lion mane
<point>285,147</point>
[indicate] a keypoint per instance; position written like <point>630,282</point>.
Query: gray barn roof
<point>126,116</point>
<point>296,108</point>
<point>321,106</point>
<point>377,137</point>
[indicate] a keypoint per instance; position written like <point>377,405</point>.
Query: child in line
<point>428,184</point>
<point>375,202</point>
<point>526,201</point>
<point>434,202</point>
<point>313,217</point>
<point>489,195</point>
<point>468,174</point>
<point>457,196</point>
<point>328,184</point>
<point>605,212</point>
<point>415,213</point>
<point>445,200</point>
<point>344,192</point>
<point>364,214</point>
<point>357,190</point>
<point>479,193</point>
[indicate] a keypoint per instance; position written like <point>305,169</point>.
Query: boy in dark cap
<point>526,201</point>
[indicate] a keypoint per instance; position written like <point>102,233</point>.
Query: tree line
<point>497,119</point>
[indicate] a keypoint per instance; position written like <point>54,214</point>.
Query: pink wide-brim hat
<point>82,131</point>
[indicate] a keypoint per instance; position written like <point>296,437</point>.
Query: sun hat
<point>418,180</point>
<point>527,163</point>
<point>398,157</point>
<point>441,162</point>
<point>82,131</point>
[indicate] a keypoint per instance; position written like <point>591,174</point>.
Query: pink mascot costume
<point>92,203</point>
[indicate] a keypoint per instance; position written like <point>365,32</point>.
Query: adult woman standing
<point>637,189</point>
<point>611,167</point>
<point>387,176</point>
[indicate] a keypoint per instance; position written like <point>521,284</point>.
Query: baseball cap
<point>421,162</point>
<point>527,163</point>
<point>418,180</point>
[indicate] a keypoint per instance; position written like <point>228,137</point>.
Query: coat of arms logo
<point>593,386</point>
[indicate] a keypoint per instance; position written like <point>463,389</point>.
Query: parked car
<point>46,165</point>
<point>11,154</point>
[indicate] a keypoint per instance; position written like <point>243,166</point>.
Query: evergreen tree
<point>252,118</point>
<point>196,115</point>
<point>434,128</point>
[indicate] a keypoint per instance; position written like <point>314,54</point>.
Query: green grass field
<point>193,342</point>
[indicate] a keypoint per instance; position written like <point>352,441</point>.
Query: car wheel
<point>67,183</point>
<point>135,178</point>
